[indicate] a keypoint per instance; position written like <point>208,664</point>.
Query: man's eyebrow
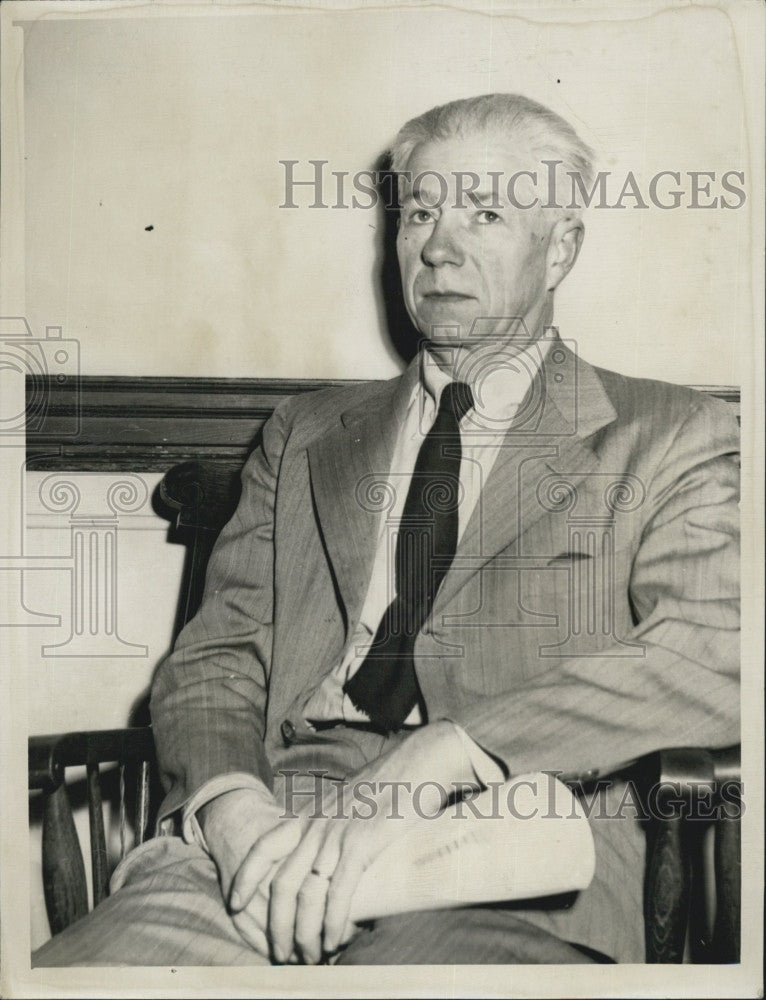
<point>492,196</point>
<point>483,195</point>
<point>422,192</point>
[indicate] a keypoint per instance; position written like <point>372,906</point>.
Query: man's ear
<point>563,247</point>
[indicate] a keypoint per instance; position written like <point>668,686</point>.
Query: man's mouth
<point>447,296</point>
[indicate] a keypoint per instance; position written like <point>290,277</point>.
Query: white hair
<point>542,132</point>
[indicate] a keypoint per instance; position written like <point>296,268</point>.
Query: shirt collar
<point>498,387</point>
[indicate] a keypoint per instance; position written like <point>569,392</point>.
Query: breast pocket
<point>587,589</point>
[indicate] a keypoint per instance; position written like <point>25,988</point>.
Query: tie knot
<point>458,398</point>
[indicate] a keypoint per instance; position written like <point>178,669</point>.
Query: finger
<point>350,868</point>
<point>249,929</point>
<point>251,923</point>
<point>312,896</point>
<point>350,931</point>
<point>285,886</point>
<point>309,917</point>
<point>271,847</point>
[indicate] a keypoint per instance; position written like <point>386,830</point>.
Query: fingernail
<point>235,901</point>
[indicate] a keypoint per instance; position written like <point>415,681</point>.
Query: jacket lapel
<point>548,440</point>
<point>349,468</point>
<point>350,464</point>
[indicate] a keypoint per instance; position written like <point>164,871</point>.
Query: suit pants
<point>166,909</point>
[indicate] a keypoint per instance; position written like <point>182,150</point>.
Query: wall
<point>112,663</point>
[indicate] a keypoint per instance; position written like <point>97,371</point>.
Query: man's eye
<point>420,216</point>
<point>487,216</point>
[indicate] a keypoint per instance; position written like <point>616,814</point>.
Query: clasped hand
<point>291,895</point>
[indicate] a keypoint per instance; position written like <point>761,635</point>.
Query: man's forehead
<point>483,155</point>
<point>488,170</point>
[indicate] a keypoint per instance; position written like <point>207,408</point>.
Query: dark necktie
<point>385,686</point>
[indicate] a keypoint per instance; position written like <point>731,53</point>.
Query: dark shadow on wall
<point>403,337</point>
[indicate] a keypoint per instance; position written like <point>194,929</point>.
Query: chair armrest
<point>203,494</point>
<point>680,772</point>
<point>688,768</point>
<point>683,791</point>
<point>49,756</point>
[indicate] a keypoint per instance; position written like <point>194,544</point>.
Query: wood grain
<point>96,423</point>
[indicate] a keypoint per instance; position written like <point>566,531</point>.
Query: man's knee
<point>166,862</point>
<point>165,908</point>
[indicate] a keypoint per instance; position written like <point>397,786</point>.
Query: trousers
<point>166,909</point>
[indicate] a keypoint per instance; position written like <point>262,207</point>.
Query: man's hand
<point>314,865</point>
<point>232,823</point>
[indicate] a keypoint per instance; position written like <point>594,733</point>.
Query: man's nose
<point>443,245</point>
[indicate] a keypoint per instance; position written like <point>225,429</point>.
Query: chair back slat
<point>64,885</point>
<point>123,821</point>
<point>142,801</point>
<point>667,893</point>
<point>97,837</point>
<point>728,884</point>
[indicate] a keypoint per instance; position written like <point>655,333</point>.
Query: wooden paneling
<point>149,424</point>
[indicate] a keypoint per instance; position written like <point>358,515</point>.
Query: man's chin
<point>465,338</point>
<point>441,319</point>
<point>455,336</point>
<point>448,331</point>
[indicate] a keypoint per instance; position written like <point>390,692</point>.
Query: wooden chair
<point>694,784</point>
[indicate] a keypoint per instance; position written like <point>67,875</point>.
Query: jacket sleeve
<point>588,715</point>
<point>208,697</point>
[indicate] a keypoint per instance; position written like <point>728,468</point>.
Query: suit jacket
<point>590,615</point>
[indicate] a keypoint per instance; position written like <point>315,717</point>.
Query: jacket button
<point>287,730</point>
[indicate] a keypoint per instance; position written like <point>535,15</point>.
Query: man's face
<point>473,257</point>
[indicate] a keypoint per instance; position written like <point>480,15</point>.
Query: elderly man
<point>570,604</point>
